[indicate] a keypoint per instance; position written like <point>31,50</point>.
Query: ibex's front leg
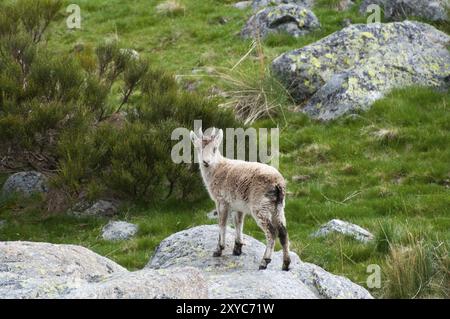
<point>222,211</point>
<point>238,226</point>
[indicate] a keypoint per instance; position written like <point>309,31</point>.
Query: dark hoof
<point>217,254</point>
<point>286,264</point>
<point>237,250</point>
<point>264,263</point>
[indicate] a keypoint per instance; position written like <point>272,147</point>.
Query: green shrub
<point>100,119</point>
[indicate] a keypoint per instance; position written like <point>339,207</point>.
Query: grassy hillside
<point>387,170</point>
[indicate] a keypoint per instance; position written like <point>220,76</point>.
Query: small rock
<point>2,223</point>
<point>119,230</point>
<point>102,208</point>
<point>260,4</point>
<point>25,184</point>
<point>242,5</point>
<point>292,19</point>
<point>345,228</point>
<point>344,5</point>
<point>301,178</point>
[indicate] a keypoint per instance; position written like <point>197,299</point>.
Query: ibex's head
<point>207,146</point>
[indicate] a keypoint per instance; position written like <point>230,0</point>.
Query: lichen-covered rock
<point>25,184</point>
<point>345,228</point>
<point>434,10</point>
<point>292,19</point>
<point>194,248</point>
<point>100,208</point>
<point>174,283</point>
<point>350,69</point>
<point>42,270</point>
<point>119,230</point>
<point>259,4</point>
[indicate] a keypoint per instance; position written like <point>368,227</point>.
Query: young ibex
<point>243,187</point>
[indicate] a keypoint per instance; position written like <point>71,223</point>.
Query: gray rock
<point>344,5</point>
<point>292,19</point>
<point>194,248</point>
<point>175,283</point>
<point>25,184</point>
<point>2,223</point>
<point>434,10</point>
<point>42,270</point>
<point>119,230</point>
<point>260,4</point>
<point>350,69</point>
<point>326,285</point>
<point>268,284</point>
<point>101,208</point>
<point>242,5</point>
<point>345,228</point>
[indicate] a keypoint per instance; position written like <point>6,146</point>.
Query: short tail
<point>280,193</point>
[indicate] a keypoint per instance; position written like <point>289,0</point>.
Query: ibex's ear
<point>219,136</point>
<point>195,140</point>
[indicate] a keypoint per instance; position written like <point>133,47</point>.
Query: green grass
<point>397,183</point>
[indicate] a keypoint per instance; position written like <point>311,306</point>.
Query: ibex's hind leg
<point>265,223</point>
<point>222,211</point>
<point>238,225</point>
<point>284,240</point>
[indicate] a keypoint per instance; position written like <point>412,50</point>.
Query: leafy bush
<point>99,121</point>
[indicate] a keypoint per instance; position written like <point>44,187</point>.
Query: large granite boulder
<point>292,19</point>
<point>260,4</point>
<point>232,276</point>
<point>43,270</point>
<point>434,10</point>
<point>175,283</point>
<point>350,69</point>
<point>25,184</point>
